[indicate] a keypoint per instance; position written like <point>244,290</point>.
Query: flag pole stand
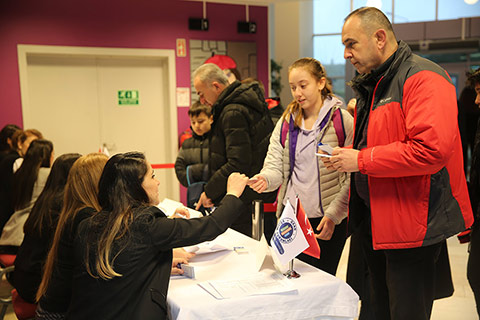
<point>290,272</point>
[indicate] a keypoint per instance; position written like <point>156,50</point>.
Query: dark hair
<point>50,201</point>
<point>473,77</point>
<point>21,135</point>
<point>372,19</point>
<point>38,155</point>
<point>5,134</point>
<point>317,71</point>
<point>197,108</point>
<point>120,191</point>
<point>236,73</point>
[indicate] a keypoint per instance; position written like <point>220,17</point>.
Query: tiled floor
<point>460,306</point>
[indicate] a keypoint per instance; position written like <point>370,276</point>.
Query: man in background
<point>239,139</point>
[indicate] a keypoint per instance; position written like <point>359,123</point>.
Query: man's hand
<point>343,160</point>
<point>326,228</point>
<point>204,201</point>
<point>258,183</point>
<point>236,184</point>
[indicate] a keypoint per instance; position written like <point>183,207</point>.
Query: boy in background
<point>191,164</point>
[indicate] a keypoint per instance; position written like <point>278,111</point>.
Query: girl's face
<point>23,147</point>
<point>306,90</point>
<point>150,185</point>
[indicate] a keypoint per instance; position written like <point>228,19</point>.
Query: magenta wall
<point>120,23</point>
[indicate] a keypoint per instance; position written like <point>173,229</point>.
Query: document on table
<point>206,247</point>
<point>259,283</point>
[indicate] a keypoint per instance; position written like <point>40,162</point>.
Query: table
<point>319,295</point>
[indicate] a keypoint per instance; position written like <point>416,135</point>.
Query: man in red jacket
<point>408,190</point>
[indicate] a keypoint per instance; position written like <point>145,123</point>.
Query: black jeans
<point>330,250</point>
<point>402,280</point>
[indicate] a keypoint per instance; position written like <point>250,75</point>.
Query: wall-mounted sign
<point>181,47</point>
<point>183,97</point>
<point>128,97</point>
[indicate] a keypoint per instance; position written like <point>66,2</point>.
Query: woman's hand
<point>181,212</point>
<point>236,184</point>
<point>258,183</point>
<point>326,228</point>
<point>182,253</point>
<point>175,261</point>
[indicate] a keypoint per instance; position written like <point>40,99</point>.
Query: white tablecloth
<point>318,296</point>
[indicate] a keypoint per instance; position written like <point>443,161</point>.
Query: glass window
<point>328,15</point>
<point>414,11</point>
<point>448,9</point>
<point>329,51</point>
<point>384,5</point>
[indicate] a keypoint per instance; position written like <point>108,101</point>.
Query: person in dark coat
<point>473,266</point>
<point>239,140</point>
<point>191,166</point>
<point>40,228</point>
<point>123,254</point>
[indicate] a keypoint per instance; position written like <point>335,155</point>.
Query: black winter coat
<point>193,155</point>
<point>239,139</point>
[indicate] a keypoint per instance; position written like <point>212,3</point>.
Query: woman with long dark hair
<point>123,254</point>
<point>79,202</point>
<point>40,228</point>
<point>28,182</point>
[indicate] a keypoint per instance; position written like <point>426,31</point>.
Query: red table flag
<point>314,249</point>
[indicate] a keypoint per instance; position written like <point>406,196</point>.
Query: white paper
<point>205,247</point>
<point>263,256</point>
<point>259,283</point>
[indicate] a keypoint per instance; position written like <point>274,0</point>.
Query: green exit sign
<point>128,97</point>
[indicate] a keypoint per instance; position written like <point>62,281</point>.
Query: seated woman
<point>79,202</point>
<point>39,229</point>
<point>19,141</point>
<point>123,254</point>
<point>28,182</point>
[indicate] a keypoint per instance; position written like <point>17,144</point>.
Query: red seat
<point>7,260</point>
<point>23,310</point>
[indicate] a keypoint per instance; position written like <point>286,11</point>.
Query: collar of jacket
<point>388,69</point>
<point>196,136</point>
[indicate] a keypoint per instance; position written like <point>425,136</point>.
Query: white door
<point>73,99</point>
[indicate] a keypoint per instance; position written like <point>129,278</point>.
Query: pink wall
<point>120,23</point>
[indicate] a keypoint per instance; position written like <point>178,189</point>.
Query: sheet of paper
<point>206,247</point>
<point>260,283</point>
<point>263,256</point>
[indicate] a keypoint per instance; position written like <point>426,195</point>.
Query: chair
<point>23,309</point>
<point>5,301</point>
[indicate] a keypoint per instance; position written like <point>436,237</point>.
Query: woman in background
<point>11,159</point>
<point>123,254</point>
<point>40,228</point>
<point>28,182</point>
